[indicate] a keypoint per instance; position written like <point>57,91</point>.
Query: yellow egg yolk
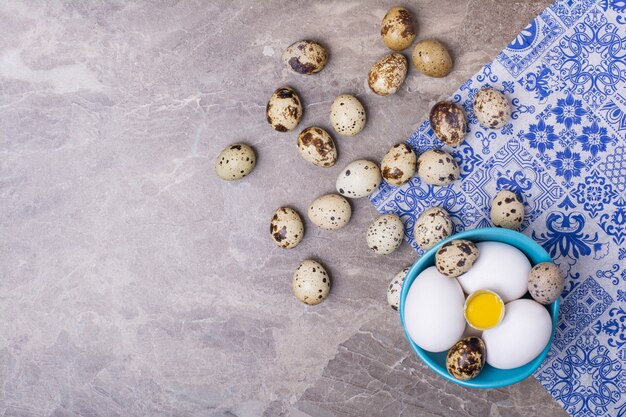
<point>484,311</point>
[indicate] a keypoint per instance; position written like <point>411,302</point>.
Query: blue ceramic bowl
<point>490,377</point>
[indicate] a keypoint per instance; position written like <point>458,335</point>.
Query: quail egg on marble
<point>398,29</point>
<point>448,122</point>
<point>507,210</point>
<point>284,109</point>
<point>545,282</point>
<point>395,287</point>
<point>387,74</point>
<point>431,58</point>
<point>385,234</point>
<point>431,227</point>
<point>305,57</point>
<point>235,162</point>
<point>316,146</point>
<point>347,115</point>
<point>399,164</point>
<point>286,228</point>
<point>456,257</point>
<point>359,179</point>
<point>491,107</point>
<point>311,283</point>
<point>466,359</point>
<point>330,212</point>
<point>436,167</point>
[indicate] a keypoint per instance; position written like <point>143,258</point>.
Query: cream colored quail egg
<point>437,167</point>
<point>387,74</point>
<point>286,228</point>
<point>385,234</point>
<point>359,179</point>
<point>456,257</point>
<point>235,162</point>
<point>399,164</point>
<point>398,29</point>
<point>545,282</point>
<point>305,57</point>
<point>316,146</point>
<point>431,58</point>
<point>330,212</point>
<point>507,210</point>
<point>311,283</point>
<point>347,115</point>
<point>448,122</point>
<point>284,109</point>
<point>395,287</point>
<point>431,227</point>
<point>491,107</point>
<point>466,359</point>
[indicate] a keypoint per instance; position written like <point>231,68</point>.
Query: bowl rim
<point>513,238</point>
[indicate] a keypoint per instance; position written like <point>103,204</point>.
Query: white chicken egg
<point>520,337</point>
<point>433,311</point>
<point>500,268</point>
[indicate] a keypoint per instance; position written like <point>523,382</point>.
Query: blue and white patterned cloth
<point>564,152</point>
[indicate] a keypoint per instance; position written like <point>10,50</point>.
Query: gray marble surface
<point>134,282</point>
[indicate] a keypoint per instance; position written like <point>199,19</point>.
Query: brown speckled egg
<point>359,179</point>
<point>284,109</point>
<point>448,122</point>
<point>466,358</point>
<point>286,228</point>
<point>235,162</point>
<point>456,257</point>
<point>507,210</point>
<point>387,74</point>
<point>347,115</point>
<point>330,212</point>
<point>395,287</point>
<point>305,57</point>
<point>316,146</point>
<point>431,227</point>
<point>385,234</point>
<point>491,107</point>
<point>431,58</point>
<point>398,29</point>
<point>311,283</point>
<point>399,164</point>
<point>545,282</point>
<point>436,167</point>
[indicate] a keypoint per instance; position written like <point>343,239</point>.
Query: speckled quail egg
<point>448,122</point>
<point>545,282</point>
<point>385,234</point>
<point>387,74</point>
<point>456,257</point>
<point>507,210</point>
<point>491,107</point>
<point>431,227</point>
<point>286,228</point>
<point>395,287</point>
<point>398,29</point>
<point>437,167</point>
<point>359,179</point>
<point>347,115</point>
<point>305,57</point>
<point>235,162</point>
<point>330,212</point>
<point>311,283</point>
<point>316,146</point>
<point>284,109</point>
<point>399,164</point>
<point>466,358</point>
<point>431,58</point>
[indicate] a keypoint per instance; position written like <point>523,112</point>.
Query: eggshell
<point>387,74</point>
<point>507,210</point>
<point>433,311</point>
<point>500,268</point>
<point>545,282</point>
<point>398,29</point>
<point>431,227</point>
<point>465,360</point>
<point>305,57</point>
<point>431,58</point>
<point>456,257</point>
<point>395,287</point>
<point>448,122</point>
<point>310,283</point>
<point>284,109</point>
<point>330,212</point>
<point>521,336</point>
<point>359,179</point>
<point>286,228</point>
<point>385,234</point>
<point>436,167</point>
<point>316,146</point>
<point>399,164</point>
<point>235,162</point>
<point>491,108</point>
<point>347,115</point>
